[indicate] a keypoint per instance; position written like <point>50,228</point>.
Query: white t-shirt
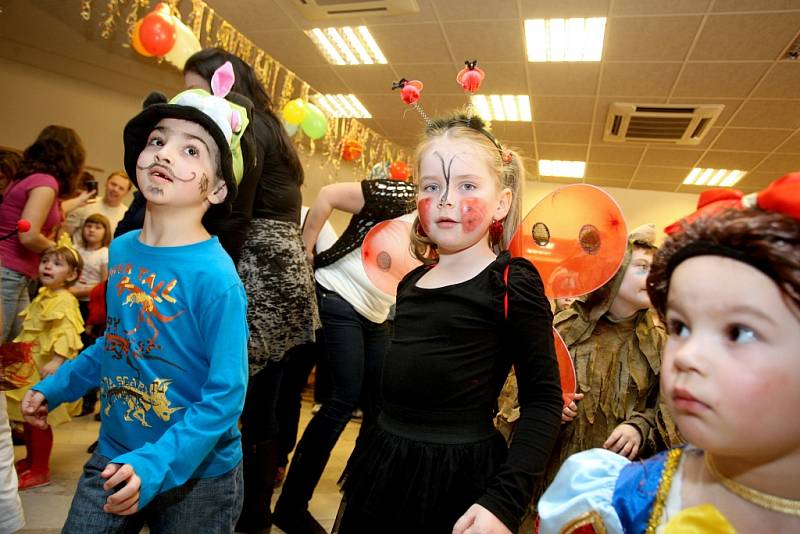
<point>93,261</point>
<point>76,217</point>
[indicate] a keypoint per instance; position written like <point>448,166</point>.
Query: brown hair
<point>767,239</point>
<point>57,151</point>
<point>510,174</point>
<point>70,256</point>
<point>99,218</point>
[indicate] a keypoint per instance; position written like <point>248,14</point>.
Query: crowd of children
<point>685,359</point>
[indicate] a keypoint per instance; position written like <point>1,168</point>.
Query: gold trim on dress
<point>590,518</point>
<point>664,485</point>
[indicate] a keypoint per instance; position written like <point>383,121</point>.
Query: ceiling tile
<point>719,159</point>
<point>401,127</point>
<point>426,13</point>
<point>649,38</point>
<point>525,150</point>
<point>719,79</point>
<point>671,157</point>
<point>554,132</point>
<point>654,7</point>
<point>386,106</point>
<point>513,132</point>
<point>768,114</point>
<point>562,152</point>
<point>780,164</point>
<point>602,182</point>
<point>746,36</point>
<point>792,145</point>
<point>501,78</point>
<point>782,81</point>
<point>291,47</point>
<point>479,10</point>
<point>376,79</point>
<point>562,109</point>
<point>445,104</point>
<point>620,155</point>
<point>258,17</point>
<point>508,44</point>
<point>753,5</point>
<point>536,9</point>
<point>609,172</point>
<point>653,186</point>
<point>661,174</point>
<point>638,79</point>
<point>403,43</point>
<point>757,179</point>
<point>322,79</point>
<point>750,139</point>
<point>563,78</point>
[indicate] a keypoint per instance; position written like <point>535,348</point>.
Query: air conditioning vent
<point>654,123</point>
<point>330,9</point>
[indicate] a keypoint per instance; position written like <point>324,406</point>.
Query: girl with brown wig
<point>49,170</point>
<point>728,286</point>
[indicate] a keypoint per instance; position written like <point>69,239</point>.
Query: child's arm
<point>171,461</point>
<point>530,345</point>
<point>73,378</point>
<point>52,366</point>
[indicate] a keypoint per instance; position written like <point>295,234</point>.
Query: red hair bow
<point>782,196</point>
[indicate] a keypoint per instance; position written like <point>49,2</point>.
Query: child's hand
<point>52,366</point>
<point>479,520</point>
<point>124,501</point>
<point>34,409</point>
<point>571,410</point>
<point>625,440</point>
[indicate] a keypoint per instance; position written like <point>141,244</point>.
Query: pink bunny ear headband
<point>470,79</point>
<point>224,114</point>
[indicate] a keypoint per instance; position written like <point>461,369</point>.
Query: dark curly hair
<point>769,241</point>
<point>57,151</point>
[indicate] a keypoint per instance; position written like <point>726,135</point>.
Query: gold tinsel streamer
<point>212,30</point>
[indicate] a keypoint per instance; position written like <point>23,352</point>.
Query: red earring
<point>496,231</point>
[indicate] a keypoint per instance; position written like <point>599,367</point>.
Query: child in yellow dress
<point>52,326</point>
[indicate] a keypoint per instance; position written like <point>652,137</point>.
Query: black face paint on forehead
<point>446,174</point>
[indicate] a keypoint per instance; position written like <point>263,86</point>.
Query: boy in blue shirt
<point>172,365</point>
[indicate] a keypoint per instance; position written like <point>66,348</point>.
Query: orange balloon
<point>576,237</point>
<point>136,42</point>
<point>566,369</point>
<point>386,254</point>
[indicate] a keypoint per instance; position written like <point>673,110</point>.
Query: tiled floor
<point>47,507</point>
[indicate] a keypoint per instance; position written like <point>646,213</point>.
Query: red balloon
<point>386,254</point>
<point>157,33</point>
<point>577,238</point>
<point>351,149</point>
<point>566,369</point>
<point>399,170</point>
<point>470,79</point>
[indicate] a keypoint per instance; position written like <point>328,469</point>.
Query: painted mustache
<point>165,170</point>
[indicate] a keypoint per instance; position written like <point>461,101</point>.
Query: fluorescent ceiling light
<point>713,177</point>
<point>347,46</point>
<point>568,169</point>
<point>343,106</point>
<point>503,107</point>
<point>573,39</point>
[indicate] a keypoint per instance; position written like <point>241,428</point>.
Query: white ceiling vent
<point>328,9</point>
<point>659,123</point>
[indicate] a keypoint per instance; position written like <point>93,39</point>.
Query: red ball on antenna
<point>410,92</point>
<point>23,225</point>
<point>470,77</point>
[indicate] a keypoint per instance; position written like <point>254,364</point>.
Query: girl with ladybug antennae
<point>434,462</point>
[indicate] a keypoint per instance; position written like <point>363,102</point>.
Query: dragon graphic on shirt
<point>139,398</point>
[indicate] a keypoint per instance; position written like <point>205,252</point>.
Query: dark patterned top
<point>383,200</point>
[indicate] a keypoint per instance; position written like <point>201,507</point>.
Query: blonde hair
<point>70,256</point>
<point>506,165</point>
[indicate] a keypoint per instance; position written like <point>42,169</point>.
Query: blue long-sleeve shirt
<point>172,365</point>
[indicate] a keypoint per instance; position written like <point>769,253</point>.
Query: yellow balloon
<point>185,45</point>
<point>136,42</point>
<point>294,111</point>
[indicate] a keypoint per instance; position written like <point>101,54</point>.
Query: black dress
<point>434,451</point>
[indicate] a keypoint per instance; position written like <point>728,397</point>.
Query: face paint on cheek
<point>473,213</point>
<point>424,212</point>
